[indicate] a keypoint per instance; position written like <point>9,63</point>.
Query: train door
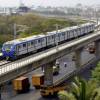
<point>44,42</point>
<point>62,36</point>
<point>17,49</point>
<point>68,34</point>
<point>71,34</point>
<point>52,39</point>
<point>57,38</point>
<point>74,33</point>
<point>31,47</point>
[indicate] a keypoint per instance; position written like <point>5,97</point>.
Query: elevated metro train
<point>18,47</point>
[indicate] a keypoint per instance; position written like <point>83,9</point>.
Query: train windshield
<point>7,46</point>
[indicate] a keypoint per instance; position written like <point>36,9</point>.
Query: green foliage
<point>96,78</point>
<point>97,94</point>
<point>35,23</point>
<point>96,74</point>
<point>5,37</point>
<point>84,90</point>
<point>81,90</point>
<point>64,95</point>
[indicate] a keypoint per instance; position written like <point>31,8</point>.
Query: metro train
<point>18,47</point>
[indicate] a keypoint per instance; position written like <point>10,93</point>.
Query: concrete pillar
<point>78,57</point>
<point>97,49</point>
<point>48,74</point>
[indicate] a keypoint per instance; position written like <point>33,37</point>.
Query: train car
<point>15,48</point>
<point>38,80</point>
<point>21,84</point>
<point>18,47</point>
<point>50,38</point>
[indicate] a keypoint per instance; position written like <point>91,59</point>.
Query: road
<point>9,94</point>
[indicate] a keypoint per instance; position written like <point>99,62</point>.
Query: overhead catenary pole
<point>56,35</point>
<point>96,15</point>
<point>22,29</point>
<point>15,31</point>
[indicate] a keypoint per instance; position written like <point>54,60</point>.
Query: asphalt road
<point>9,94</point>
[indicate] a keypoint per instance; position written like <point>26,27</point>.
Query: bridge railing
<point>13,66</point>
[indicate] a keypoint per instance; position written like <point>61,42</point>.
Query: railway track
<point>3,62</point>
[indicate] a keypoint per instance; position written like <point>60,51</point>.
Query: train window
<point>80,29</point>
<point>39,40</point>
<point>24,45</point>
<point>42,39</point>
<point>35,42</point>
<point>76,30</point>
<point>29,43</point>
<point>63,34</point>
<point>71,31</point>
<point>58,34</point>
<point>52,36</point>
<point>19,46</point>
<point>7,46</point>
<point>49,37</point>
<point>32,42</point>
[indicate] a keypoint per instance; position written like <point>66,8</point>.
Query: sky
<point>11,3</point>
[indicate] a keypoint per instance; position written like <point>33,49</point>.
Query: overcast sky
<point>48,2</point>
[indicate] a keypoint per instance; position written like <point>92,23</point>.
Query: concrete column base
<point>48,74</point>
<point>78,57</point>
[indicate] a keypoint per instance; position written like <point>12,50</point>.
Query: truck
<point>51,90</point>
<point>38,80</point>
<point>56,69</point>
<point>21,84</point>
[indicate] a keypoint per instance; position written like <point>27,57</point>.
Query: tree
<point>64,95</point>
<point>81,90</point>
<point>96,73</point>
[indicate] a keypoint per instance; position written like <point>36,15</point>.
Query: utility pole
<point>22,28</point>
<point>96,15</point>
<point>15,31</point>
<point>56,35</point>
<point>56,28</point>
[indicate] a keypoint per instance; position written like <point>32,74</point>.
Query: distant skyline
<point>13,3</point>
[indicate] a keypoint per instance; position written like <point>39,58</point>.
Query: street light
<point>15,31</point>
<point>56,36</point>
<point>23,28</point>
<point>96,15</point>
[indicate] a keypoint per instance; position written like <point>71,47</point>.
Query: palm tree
<point>81,90</point>
<point>64,95</point>
<point>96,74</point>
